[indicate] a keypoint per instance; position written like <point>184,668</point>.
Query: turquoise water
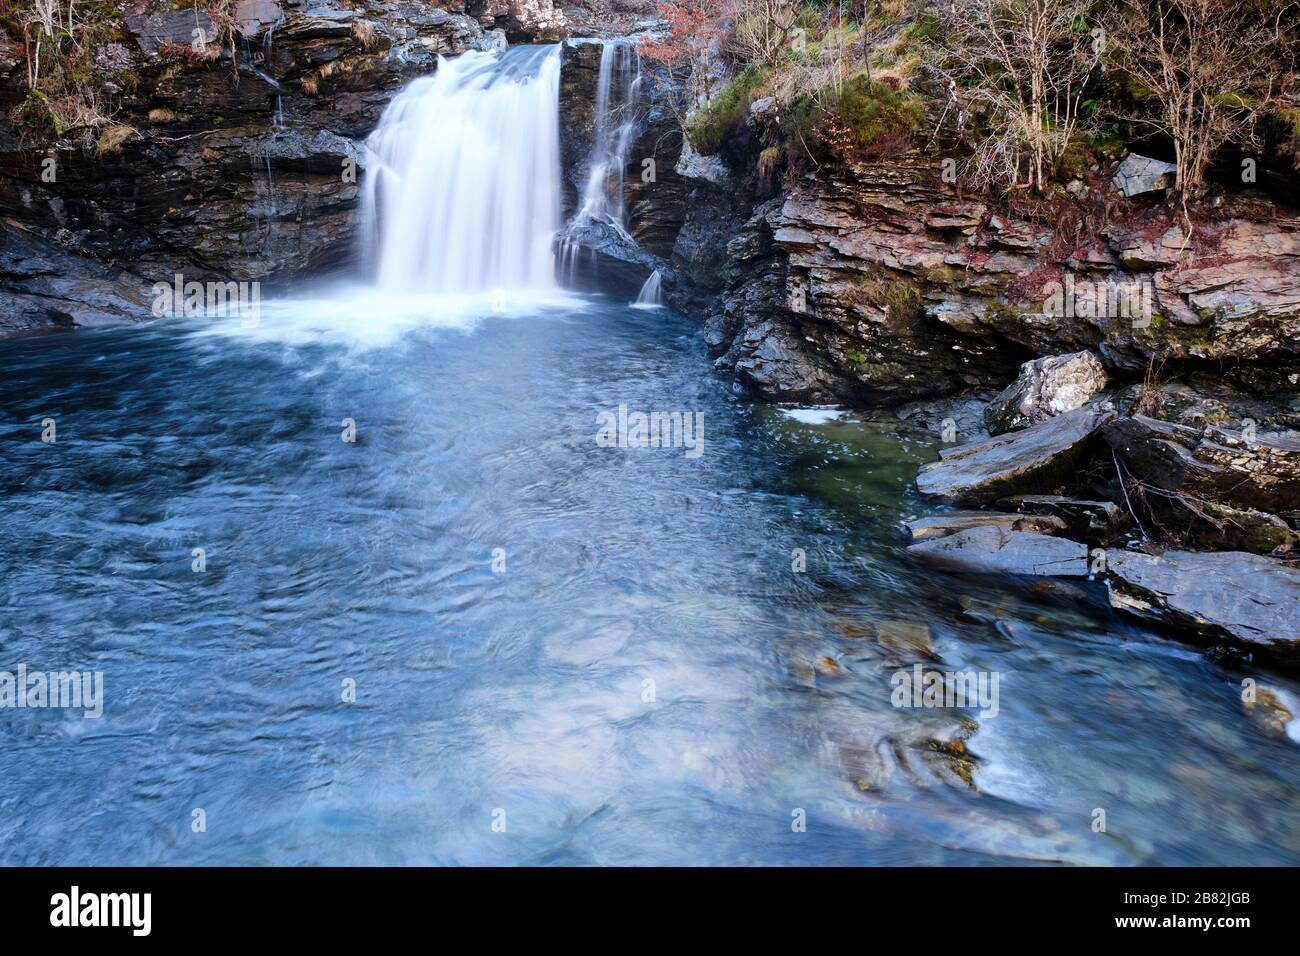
<point>641,678</point>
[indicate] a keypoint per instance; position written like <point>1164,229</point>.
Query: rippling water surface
<point>647,681</point>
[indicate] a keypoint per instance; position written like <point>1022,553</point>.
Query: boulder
<point>1038,459</point>
<point>1251,601</point>
<point>993,550</point>
<point>940,526</point>
<point>1273,710</point>
<point>1046,387</point>
<point>1141,174</point>
<point>1210,486</point>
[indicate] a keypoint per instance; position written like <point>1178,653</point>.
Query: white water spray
<point>462,187</point>
<point>650,294</point>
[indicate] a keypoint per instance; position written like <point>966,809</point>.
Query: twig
<point>1123,486</point>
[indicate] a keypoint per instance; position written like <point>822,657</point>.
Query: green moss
<point>856,359</point>
<point>900,299</point>
<point>711,126</point>
<point>866,121</point>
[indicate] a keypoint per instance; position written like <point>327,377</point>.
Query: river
<point>477,635</point>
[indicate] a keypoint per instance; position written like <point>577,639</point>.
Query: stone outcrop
<point>1213,487</point>
<point>1248,600</point>
<point>44,284</point>
<point>1046,387</point>
<point>881,284</point>
<point>1038,459</point>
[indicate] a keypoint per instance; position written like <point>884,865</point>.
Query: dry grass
<point>363,31</point>
<point>111,140</point>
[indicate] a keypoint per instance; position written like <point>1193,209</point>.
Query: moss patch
<point>711,126</point>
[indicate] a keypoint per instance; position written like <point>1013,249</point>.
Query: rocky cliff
<point>879,284</point>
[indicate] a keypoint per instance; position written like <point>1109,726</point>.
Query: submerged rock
<point>1273,711</point>
<point>1046,387</point>
<point>994,550</point>
<point>1249,600</point>
<point>1037,459</point>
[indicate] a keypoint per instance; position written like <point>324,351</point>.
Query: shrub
<point>867,121</point>
<point>710,127</point>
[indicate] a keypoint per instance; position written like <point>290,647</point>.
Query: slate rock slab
<point>993,550</point>
<point>1038,459</point>
<point>1250,600</point>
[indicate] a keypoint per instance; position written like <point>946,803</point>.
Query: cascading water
<point>617,88</point>
<point>601,205</point>
<point>651,295</point>
<point>462,191</point>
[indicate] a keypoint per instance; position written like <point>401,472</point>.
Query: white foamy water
<point>651,295</point>
<point>462,186</point>
<point>818,415</point>
<point>331,316</point>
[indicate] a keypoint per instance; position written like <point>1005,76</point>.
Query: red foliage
<point>693,25</point>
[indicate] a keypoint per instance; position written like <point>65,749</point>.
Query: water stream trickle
<point>650,295</point>
<point>617,92</point>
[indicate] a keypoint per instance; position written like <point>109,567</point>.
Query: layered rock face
<point>243,168</point>
<point>880,284</point>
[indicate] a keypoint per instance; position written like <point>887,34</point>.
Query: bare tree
<point>1207,67</point>
<point>763,29</point>
<point>1015,72</point>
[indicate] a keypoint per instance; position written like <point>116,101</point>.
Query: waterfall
<point>462,185</point>
<point>650,296</point>
<point>617,90</point>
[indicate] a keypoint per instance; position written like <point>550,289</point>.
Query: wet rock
<point>940,526</point>
<point>958,419</point>
<point>155,30</point>
<point>1038,459</point>
<point>43,283</point>
<point>1044,388</point>
<point>994,550</point>
<point>912,639</point>
<point>1097,522</point>
<point>1273,711</point>
<point>1141,174</point>
<point>598,257</point>
<point>1252,602</point>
